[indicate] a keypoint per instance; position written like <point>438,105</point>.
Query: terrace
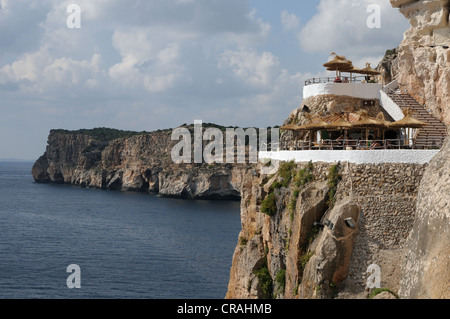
<point>355,137</point>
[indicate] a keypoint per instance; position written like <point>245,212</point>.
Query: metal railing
<point>338,79</point>
<point>387,144</point>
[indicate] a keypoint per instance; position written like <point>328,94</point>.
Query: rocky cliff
<point>128,161</point>
<point>322,231</point>
<point>424,54</point>
<point>313,230</point>
<point>426,265</point>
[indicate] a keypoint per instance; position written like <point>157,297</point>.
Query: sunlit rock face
<point>424,54</point>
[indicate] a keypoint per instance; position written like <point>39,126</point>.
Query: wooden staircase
<point>430,136</point>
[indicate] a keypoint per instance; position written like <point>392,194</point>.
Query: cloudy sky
<point>146,65</point>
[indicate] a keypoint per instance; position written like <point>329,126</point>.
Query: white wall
<point>358,90</point>
<point>391,107</point>
<point>357,157</point>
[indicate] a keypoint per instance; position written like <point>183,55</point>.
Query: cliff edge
<point>318,231</point>
<point>130,161</point>
<point>424,54</point>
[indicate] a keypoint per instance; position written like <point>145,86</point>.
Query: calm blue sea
<point>127,245</point>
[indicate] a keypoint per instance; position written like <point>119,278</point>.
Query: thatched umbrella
<point>317,125</point>
<point>354,70</point>
<point>366,122</point>
<point>290,127</point>
<point>340,125</point>
<point>338,64</point>
<point>369,71</point>
<point>314,125</point>
<point>383,122</point>
<point>408,122</point>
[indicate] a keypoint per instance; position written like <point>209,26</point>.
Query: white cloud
<point>341,26</point>
<point>253,69</point>
<point>289,21</point>
<point>154,64</point>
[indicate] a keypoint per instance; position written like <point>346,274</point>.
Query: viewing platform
<point>355,119</point>
<point>357,87</point>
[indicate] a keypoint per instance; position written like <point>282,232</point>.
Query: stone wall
<point>323,105</point>
<point>387,195</point>
<point>328,104</point>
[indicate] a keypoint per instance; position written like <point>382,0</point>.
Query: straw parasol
<point>316,125</point>
<point>354,70</point>
<point>339,63</point>
<point>339,124</point>
<point>290,127</point>
<point>369,71</point>
<point>366,123</point>
<point>385,124</point>
<point>408,122</point>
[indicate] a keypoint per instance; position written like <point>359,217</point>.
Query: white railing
<point>338,79</point>
<point>350,144</point>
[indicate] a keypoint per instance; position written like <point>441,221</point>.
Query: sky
<point>156,64</point>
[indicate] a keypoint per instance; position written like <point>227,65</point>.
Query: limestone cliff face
<point>140,162</point>
<point>424,54</point>
<point>400,212</point>
<point>424,71</point>
<point>426,268</point>
<point>295,241</point>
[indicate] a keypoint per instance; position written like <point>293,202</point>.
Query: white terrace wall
<point>359,90</point>
<point>356,156</point>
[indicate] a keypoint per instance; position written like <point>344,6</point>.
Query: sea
<point>63,242</point>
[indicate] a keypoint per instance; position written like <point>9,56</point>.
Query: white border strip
<point>357,157</point>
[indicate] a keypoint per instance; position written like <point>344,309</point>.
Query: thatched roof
<point>408,122</point>
<point>369,71</point>
<point>290,127</point>
<point>316,125</point>
<point>338,65</point>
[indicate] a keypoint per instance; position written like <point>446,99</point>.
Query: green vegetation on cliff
<point>101,133</point>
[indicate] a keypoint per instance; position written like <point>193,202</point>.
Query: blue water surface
<point>127,245</point>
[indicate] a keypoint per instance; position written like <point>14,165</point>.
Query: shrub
<point>281,280</point>
<point>102,133</point>
<point>269,204</point>
<point>285,173</point>
<point>275,185</point>
<point>311,237</point>
<point>303,259</point>
<point>334,177</point>
<point>380,290</point>
<point>265,282</point>
<point>305,175</point>
<point>293,203</point>
<point>243,241</point>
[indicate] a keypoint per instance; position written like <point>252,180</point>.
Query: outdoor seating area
<point>350,131</point>
<point>341,66</point>
<point>357,131</point>
<point>348,145</point>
